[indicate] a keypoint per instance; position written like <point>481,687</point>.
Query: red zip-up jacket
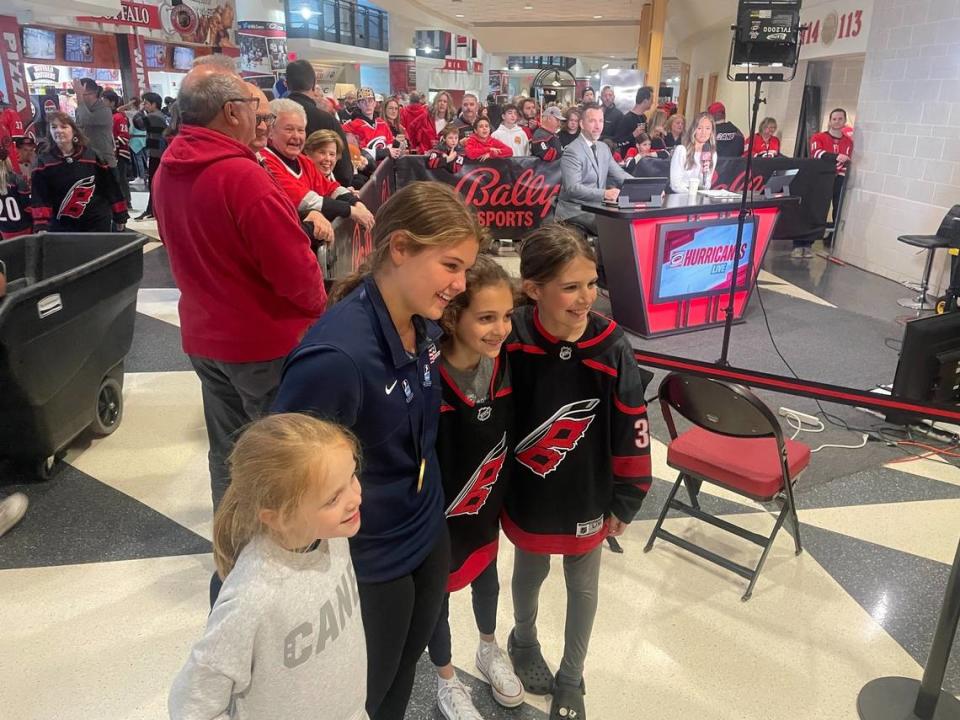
<point>475,148</point>
<point>250,286</point>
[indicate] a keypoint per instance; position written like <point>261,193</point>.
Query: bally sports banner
<point>514,196</point>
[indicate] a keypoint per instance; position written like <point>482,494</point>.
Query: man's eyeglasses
<point>268,118</point>
<point>255,101</point>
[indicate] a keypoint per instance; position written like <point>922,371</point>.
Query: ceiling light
<point>605,66</point>
<point>428,49</point>
<point>459,15</point>
<point>598,17</point>
<point>305,12</point>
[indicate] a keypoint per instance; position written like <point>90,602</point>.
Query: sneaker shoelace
<point>500,670</point>
<point>459,701</point>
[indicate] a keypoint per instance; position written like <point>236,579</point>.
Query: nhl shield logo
<point>565,353</point>
<point>484,413</point>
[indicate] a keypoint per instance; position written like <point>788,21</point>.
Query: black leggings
<point>398,618</point>
<point>485,591</point>
<point>151,171</point>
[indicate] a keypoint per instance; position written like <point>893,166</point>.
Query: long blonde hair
<point>272,465</point>
<point>689,142</point>
<point>427,214</point>
<point>657,127</point>
<point>450,114</point>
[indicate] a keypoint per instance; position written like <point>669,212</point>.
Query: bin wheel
<point>109,408</point>
<point>47,467</point>
<point>941,307</point>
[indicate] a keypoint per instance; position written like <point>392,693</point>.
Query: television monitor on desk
<point>929,366</point>
<point>696,259</point>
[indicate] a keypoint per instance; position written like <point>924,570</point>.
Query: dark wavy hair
<point>61,117</point>
<point>486,272</point>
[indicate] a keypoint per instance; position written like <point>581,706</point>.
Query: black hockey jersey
<point>729,139</point>
<point>15,214</point>
<point>583,443</point>
<point>78,193</point>
<point>474,445</point>
<point>545,145</point>
<point>437,158</point>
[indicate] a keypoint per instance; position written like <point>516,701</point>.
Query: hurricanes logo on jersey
<point>545,448</point>
<point>77,198</point>
<point>475,493</point>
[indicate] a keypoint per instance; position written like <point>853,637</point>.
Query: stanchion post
<point>900,698</point>
<point>933,674</point>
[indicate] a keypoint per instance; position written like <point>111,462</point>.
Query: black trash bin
<point>66,325</point>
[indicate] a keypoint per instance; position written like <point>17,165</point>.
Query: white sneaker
<point>797,253</point>
<point>12,510</point>
<point>454,701</point>
<point>495,666</point>
<point>808,253</point>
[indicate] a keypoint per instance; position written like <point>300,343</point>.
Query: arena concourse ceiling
<point>568,27</point>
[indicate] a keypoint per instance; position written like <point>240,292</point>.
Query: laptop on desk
<point>640,191</point>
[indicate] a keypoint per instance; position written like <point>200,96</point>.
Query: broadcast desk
<point>668,269</point>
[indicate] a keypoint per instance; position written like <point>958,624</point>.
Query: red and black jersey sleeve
<point>435,159</point>
<point>629,437</point>
<point>40,199</point>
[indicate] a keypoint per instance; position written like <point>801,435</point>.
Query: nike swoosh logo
<point>390,388</point>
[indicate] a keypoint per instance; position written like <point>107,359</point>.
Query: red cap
<point>717,108</point>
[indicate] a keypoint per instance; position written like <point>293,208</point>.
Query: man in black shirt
<point>301,79</point>
<point>634,121</point>
<point>611,115</point>
<point>729,138</point>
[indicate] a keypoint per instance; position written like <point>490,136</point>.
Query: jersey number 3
<point>643,433</point>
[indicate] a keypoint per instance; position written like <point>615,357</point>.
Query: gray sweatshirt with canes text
<point>284,640</point>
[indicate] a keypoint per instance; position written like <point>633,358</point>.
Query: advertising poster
<point>204,22</point>
<point>263,47</point>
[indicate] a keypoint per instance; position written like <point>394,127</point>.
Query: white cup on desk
<point>693,187</point>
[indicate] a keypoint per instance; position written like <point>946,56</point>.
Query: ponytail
<point>426,214</point>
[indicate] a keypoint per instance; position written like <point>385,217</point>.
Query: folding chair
<point>736,443</point>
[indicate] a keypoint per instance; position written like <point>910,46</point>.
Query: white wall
<point>839,80</point>
<point>708,52</point>
<point>906,169</point>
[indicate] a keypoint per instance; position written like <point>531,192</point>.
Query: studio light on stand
<point>767,35</point>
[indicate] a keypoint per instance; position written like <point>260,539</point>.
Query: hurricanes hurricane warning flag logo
<point>77,198</point>
<point>545,448</point>
<point>476,491</point>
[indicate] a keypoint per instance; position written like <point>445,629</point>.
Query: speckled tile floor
<point>103,586</point>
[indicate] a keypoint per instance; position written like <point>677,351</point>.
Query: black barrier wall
<point>514,196</point>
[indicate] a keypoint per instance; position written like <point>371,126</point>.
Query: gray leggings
<point>582,575</point>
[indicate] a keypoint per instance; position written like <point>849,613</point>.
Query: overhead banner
<point>12,81</point>
<point>263,47</point>
<point>836,27</point>
<point>131,14</point>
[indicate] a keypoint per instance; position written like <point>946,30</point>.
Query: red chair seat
<point>750,466</point>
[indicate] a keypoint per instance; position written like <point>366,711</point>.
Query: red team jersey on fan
<point>760,148</point>
<point>823,144</point>
<point>372,135</point>
<point>296,183</point>
<point>121,135</point>
<point>583,445</point>
<point>474,446</point>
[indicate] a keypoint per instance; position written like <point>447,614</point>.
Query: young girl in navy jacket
<point>582,458</point>
<point>371,363</point>
<point>474,444</point>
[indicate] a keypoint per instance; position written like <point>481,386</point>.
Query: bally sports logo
<point>705,256</point>
<point>544,449</point>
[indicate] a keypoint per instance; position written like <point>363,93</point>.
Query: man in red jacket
<point>249,284</point>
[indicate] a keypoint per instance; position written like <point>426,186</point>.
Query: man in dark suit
<point>301,79</point>
<point>587,167</point>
